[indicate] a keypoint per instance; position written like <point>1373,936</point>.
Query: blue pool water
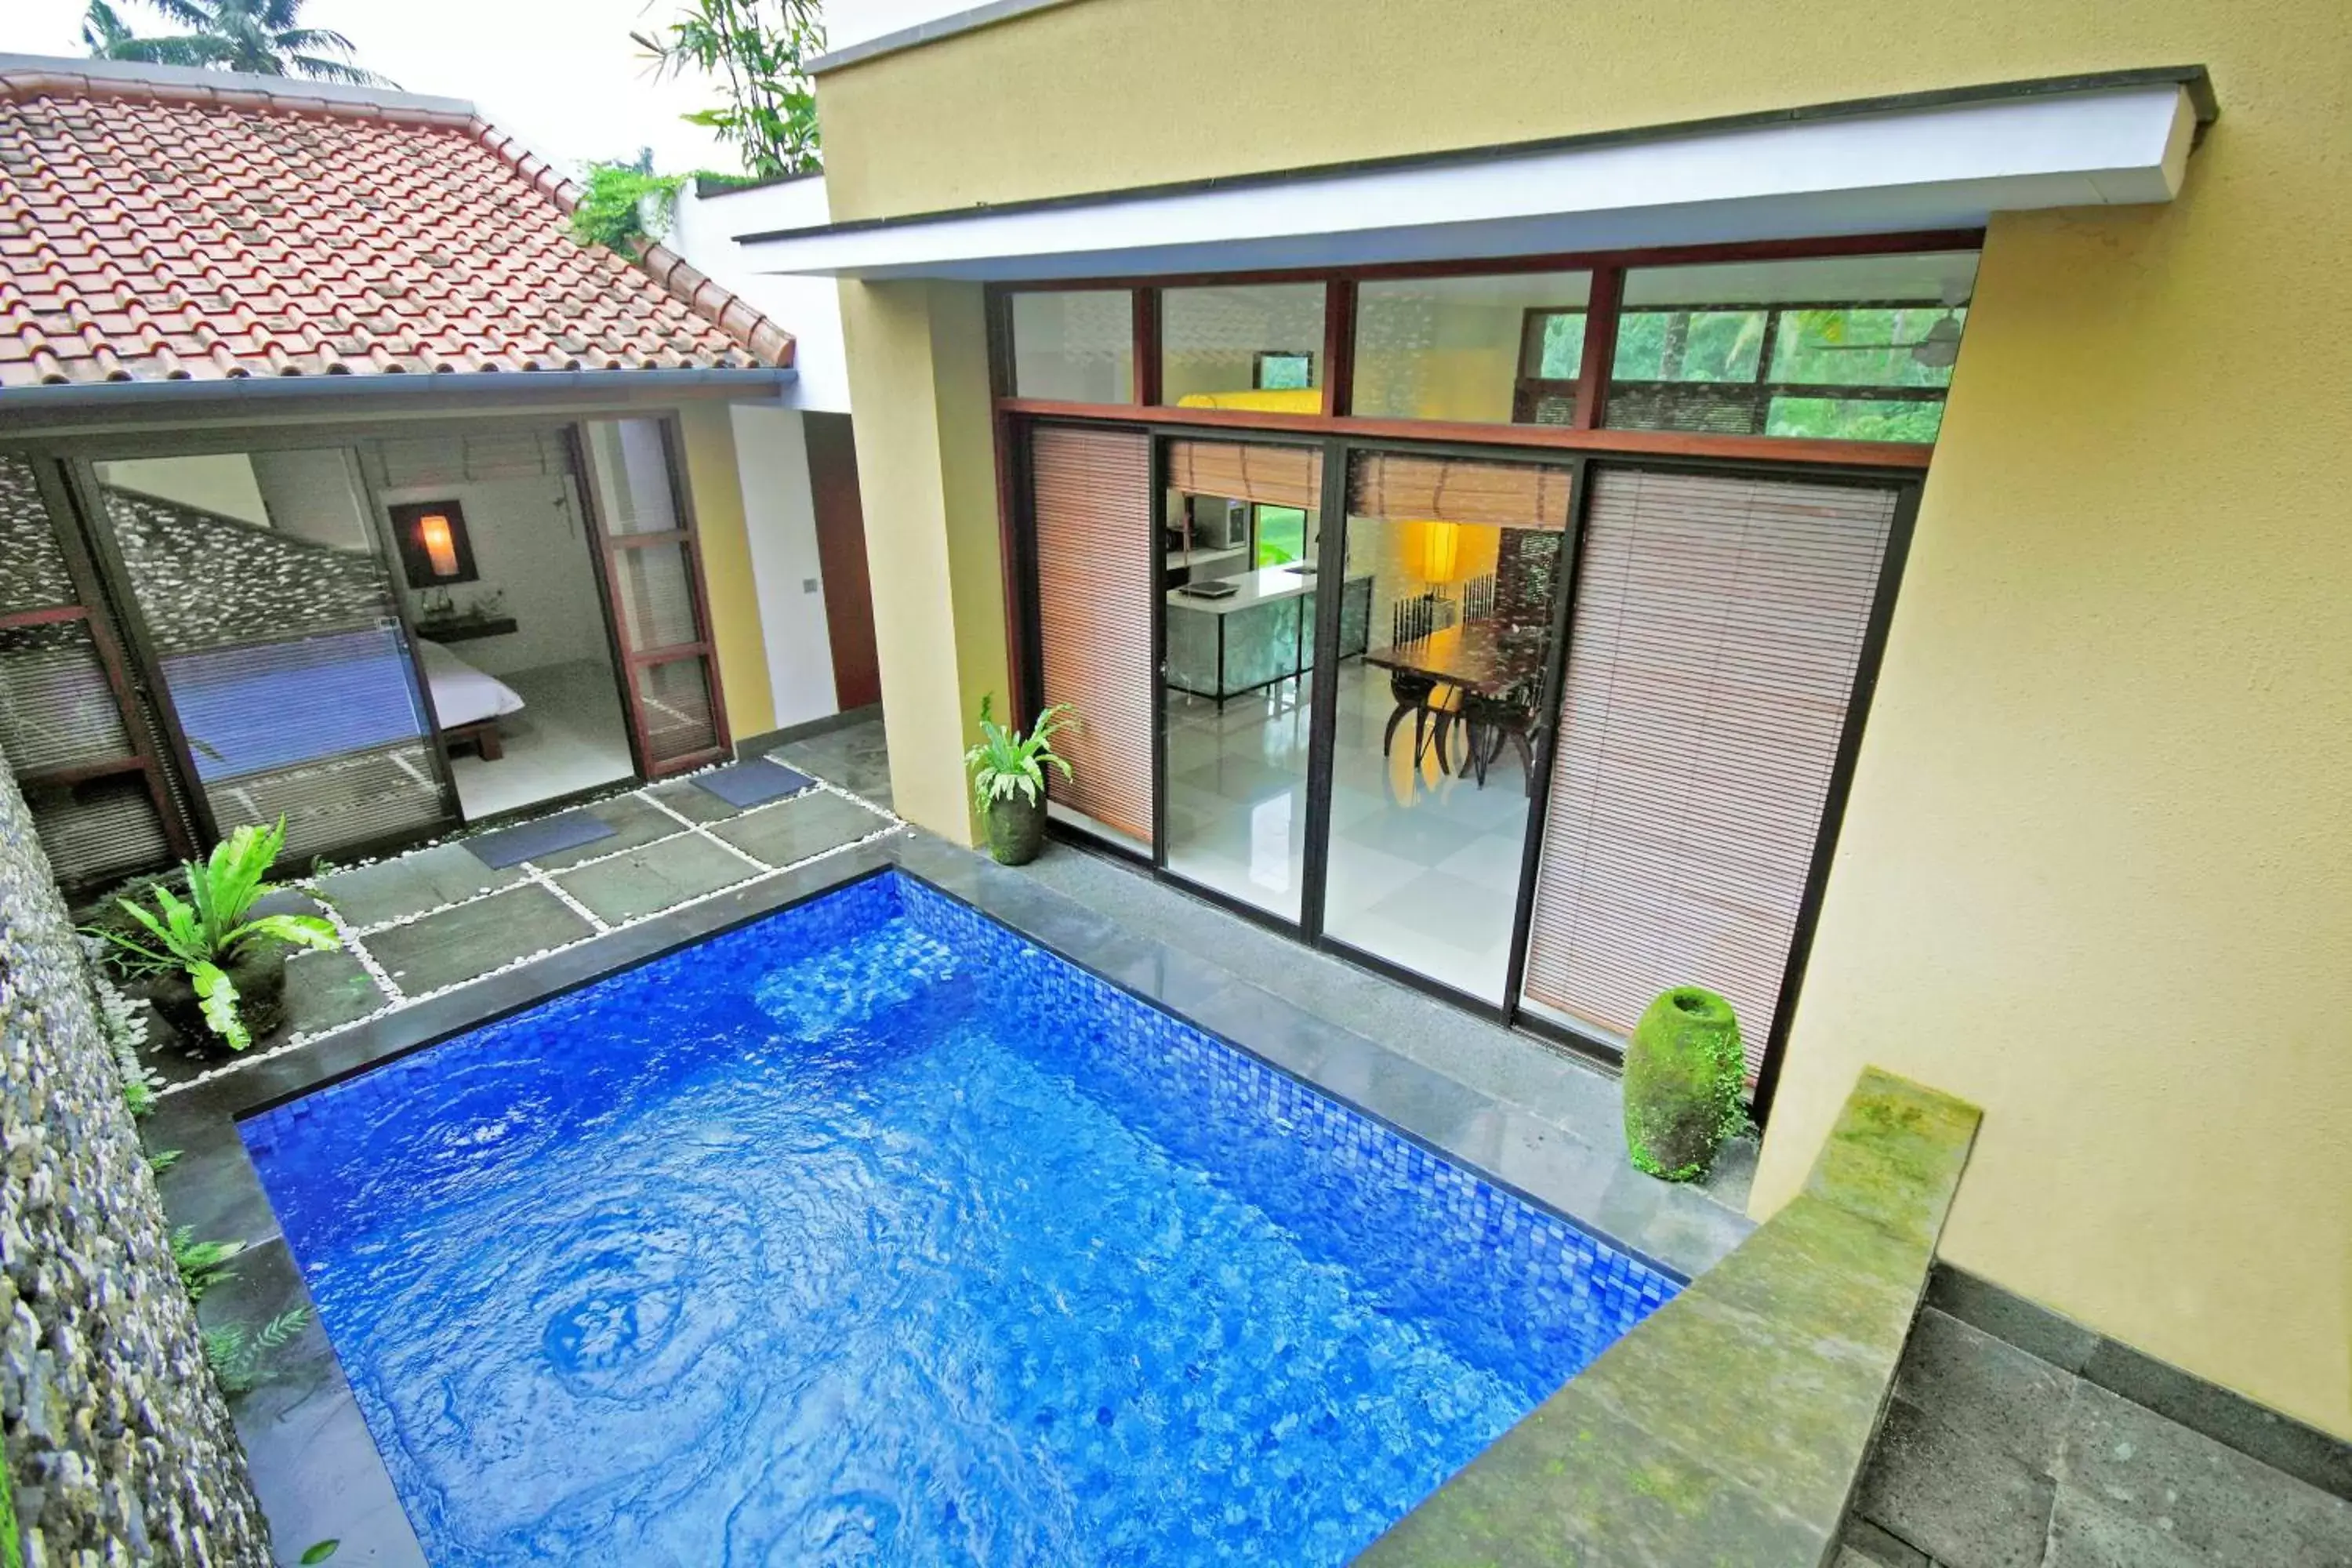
<point>872,1234</point>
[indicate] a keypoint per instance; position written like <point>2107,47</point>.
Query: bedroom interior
<point>513,639</point>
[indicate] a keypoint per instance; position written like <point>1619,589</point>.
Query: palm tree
<point>106,39</point>
<point>261,37</point>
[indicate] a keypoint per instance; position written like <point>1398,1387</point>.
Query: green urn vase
<point>1683,1071</point>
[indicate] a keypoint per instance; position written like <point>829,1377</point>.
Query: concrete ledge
<point>1731,1427</point>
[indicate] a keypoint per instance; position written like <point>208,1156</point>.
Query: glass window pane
<point>1765,348</point>
<point>631,471</point>
<point>1494,349</point>
<point>1074,345</point>
<point>657,599</point>
<point>1212,342</point>
<point>1438,723</point>
<point>674,705</point>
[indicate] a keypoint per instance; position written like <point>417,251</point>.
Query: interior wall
<point>533,552</point>
<point>313,495</point>
<point>2095,862</point>
<point>780,514</point>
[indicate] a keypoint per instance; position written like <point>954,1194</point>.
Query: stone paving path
<point>421,923</point>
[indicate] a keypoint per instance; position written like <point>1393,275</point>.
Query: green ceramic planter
<point>1683,1071</point>
<point>1016,828</point>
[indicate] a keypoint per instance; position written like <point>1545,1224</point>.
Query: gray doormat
<point>756,783</point>
<point>564,830</point>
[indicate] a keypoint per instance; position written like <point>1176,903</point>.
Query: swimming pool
<point>871,1233</point>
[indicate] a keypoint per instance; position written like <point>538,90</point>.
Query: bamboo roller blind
<point>1718,625</point>
<point>1454,490</point>
<point>1091,496</point>
<point>1270,476</point>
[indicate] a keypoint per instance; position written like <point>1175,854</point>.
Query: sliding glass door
<point>1545,734</point>
<point>1721,622</point>
<point>1241,526</point>
<point>1440,717</point>
<point>263,605</point>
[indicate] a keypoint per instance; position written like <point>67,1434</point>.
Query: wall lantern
<point>434,549</point>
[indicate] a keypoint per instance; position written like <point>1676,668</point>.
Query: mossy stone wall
<point>119,1447</point>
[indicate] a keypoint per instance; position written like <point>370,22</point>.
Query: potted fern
<point>219,975</point>
<point>1008,780</point>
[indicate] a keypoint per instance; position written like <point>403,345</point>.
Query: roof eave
<point>25,408</point>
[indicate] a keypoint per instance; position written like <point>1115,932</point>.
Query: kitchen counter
<point>1263,634</point>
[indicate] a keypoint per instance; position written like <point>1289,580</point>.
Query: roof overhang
<point>29,411</point>
<point>1931,160</point>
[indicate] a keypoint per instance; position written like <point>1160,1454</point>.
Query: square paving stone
<point>1959,1501</point>
<point>2086,1533</point>
<point>425,880</point>
<point>2230,1511</point>
<point>797,828</point>
<point>634,822</point>
<point>327,989</point>
<point>472,939</point>
<point>644,881</point>
<point>691,801</point>
<point>1994,1392</point>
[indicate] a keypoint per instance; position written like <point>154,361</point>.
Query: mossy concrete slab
<point>426,879</point>
<point>472,940</point>
<point>645,881</point>
<point>797,828</point>
<point>1729,1428</point>
<point>1896,1155</point>
<point>327,989</point>
<point>634,822</point>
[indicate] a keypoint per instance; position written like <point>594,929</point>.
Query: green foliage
<point>759,50</point>
<point>123,1023</point>
<point>319,1551</point>
<point>202,1264</point>
<point>259,37</point>
<point>1281,535</point>
<point>1007,762</point>
<point>12,1546</point>
<point>1685,1072</point>
<point>625,205</point>
<point>163,1160</point>
<point>206,931</point>
<point>239,1357</point>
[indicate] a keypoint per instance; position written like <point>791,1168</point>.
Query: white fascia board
<point>1944,167</point>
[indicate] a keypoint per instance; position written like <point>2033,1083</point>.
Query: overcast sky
<point>561,74</point>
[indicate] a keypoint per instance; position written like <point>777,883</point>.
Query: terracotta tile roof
<point>181,226</point>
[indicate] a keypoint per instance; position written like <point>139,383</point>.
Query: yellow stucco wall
<point>709,438</point>
<point>2096,874</point>
<point>927,474</point>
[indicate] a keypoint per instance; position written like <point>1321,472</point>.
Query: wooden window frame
<point>1589,433</point>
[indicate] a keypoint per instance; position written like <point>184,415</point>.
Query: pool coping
<point>316,1466</point>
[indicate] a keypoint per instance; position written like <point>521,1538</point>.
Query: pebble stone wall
<point>119,1447</point>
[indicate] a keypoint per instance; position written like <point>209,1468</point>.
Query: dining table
<point>1483,657</point>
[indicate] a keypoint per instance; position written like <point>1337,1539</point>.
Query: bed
<point>466,703</point>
